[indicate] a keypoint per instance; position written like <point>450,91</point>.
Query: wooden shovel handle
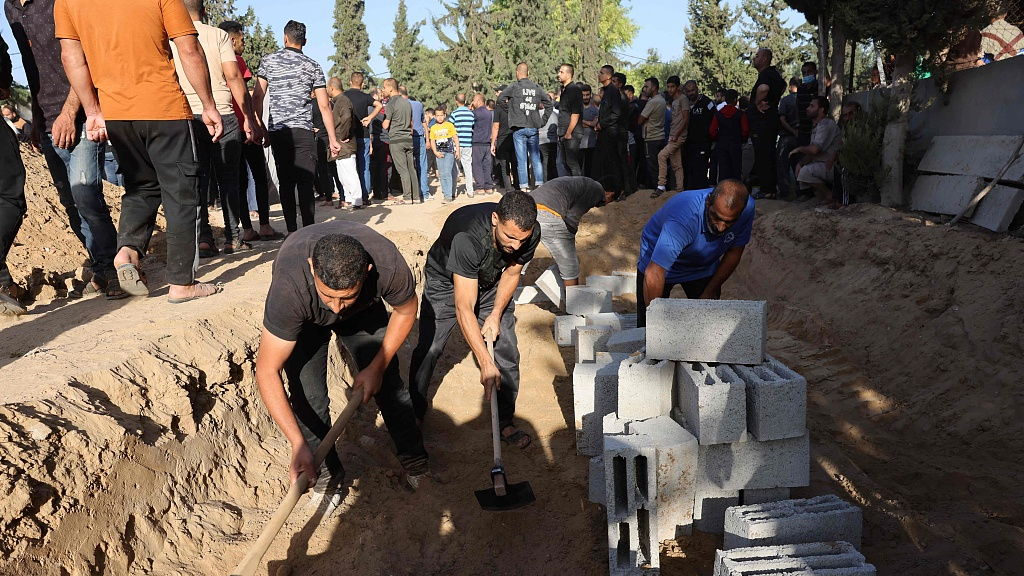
<point>251,561</point>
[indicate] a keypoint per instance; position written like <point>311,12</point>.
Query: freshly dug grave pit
<point>134,442</point>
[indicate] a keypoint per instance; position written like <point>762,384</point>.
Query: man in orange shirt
<point>117,56</point>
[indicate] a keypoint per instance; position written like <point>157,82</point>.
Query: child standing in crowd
<point>444,141</point>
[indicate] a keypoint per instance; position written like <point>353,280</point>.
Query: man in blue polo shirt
<point>695,241</point>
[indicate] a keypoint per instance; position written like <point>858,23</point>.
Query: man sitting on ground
<point>561,204</point>
<point>815,169</point>
<point>695,240</point>
<point>335,277</point>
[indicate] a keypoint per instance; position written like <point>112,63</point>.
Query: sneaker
<point>415,482</point>
<point>428,197</point>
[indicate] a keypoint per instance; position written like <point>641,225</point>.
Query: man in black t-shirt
<point>561,204</point>
<point>502,149</point>
<point>336,277</point>
<point>763,116</point>
<point>471,274</point>
<point>570,116</point>
<point>367,109</point>
<point>697,149</point>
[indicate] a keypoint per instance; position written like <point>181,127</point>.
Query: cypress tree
<point>351,41</point>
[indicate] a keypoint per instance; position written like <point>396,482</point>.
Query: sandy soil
<point>133,440</point>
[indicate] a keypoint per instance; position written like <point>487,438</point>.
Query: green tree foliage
<point>468,61</point>
<point>20,97</point>
<point>526,31</point>
<point>351,41</point>
<point>719,56</point>
<point>763,28</point>
<point>259,39</point>
<point>590,31</point>
<point>654,67</point>
<point>410,62</point>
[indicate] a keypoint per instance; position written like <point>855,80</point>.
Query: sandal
<point>210,251</point>
<point>113,290</point>
<point>657,193</point>
<point>199,290</point>
<point>516,439</point>
<point>242,246</point>
<point>94,287</point>
<point>132,280</point>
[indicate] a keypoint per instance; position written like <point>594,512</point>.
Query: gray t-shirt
<point>293,300</point>
<point>291,77</point>
<point>571,197</point>
<point>654,111</point>
<point>399,112</point>
<point>589,134</point>
<point>827,137</point>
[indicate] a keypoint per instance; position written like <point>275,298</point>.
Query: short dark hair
<point>672,80</point>
<point>629,88</point>
<point>689,82</point>
<point>821,100</point>
<point>586,88</point>
<point>609,68</point>
<point>611,183</point>
<point>570,67</point>
<point>620,78</point>
<point>519,208</point>
<point>340,261</point>
<point>654,82</point>
<point>811,64</point>
<point>795,81</point>
<point>296,31</point>
<point>232,27</point>
<point>441,108</point>
<point>489,103</point>
<point>731,96</point>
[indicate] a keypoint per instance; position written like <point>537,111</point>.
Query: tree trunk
<point>895,140</point>
<point>836,92</point>
<point>822,52</point>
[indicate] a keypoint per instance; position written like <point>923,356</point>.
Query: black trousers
<point>252,156</point>
<point>609,157</point>
<point>505,155</point>
<point>379,171</point>
<point>548,158</point>
<point>12,197</point>
<point>571,158</point>
<point>362,335</point>
<point>730,161</point>
<point>628,165</point>
<point>693,289</point>
<point>218,162</point>
<point>295,155</point>
<point>764,136</point>
<point>160,165</point>
<point>695,158</point>
<point>437,319</point>
<point>588,162</point>
<point>323,183</point>
<point>652,149</point>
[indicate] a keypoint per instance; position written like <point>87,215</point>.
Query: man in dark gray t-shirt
<point>561,204</point>
<point>329,278</point>
<point>399,127</point>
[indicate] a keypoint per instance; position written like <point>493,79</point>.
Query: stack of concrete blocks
<point>818,519</point>
<point>587,304</point>
<point>817,558</point>
<point>649,482</point>
<point>746,409</point>
<point>551,285</point>
<point>618,283</point>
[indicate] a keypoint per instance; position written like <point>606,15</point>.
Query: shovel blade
<point>516,496</point>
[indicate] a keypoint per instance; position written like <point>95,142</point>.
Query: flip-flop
<point>132,280</point>
<point>275,236</point>
<point>217,288</point>
<point>514,438</point>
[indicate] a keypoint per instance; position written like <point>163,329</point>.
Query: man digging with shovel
<point>335,277</point>
<point>471,274</point>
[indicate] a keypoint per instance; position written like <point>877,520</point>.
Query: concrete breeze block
<point>763,495</point>
<point>588,340</point>
<point>709,509</point>
<point>645,388</point>
<point>583,300</point>
<point>724,331</point>
<point>713,402</point>
<point>596,493</point>
<point>616,284</point>
<point>748,464</point>
<point>550,283</point>
<point>822,518</point>
<point>776,400</point>
<point>606,357</point>
<point>649,490</point>
<point>817,558</point>
<point>618,322</point>
<point>528,295</point>
<point>594,394</point>
<point>628,341</point>
<point>629,287</point>
<point>564,325</point>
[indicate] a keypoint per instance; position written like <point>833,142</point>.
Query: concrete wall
<point>983,101</point>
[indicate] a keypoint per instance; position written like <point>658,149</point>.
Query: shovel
<point>501,495</point>
<point>251,562</point>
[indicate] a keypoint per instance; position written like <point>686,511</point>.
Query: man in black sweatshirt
<point>607,156</point>
<point>697,149</point>
<point>522,99</point>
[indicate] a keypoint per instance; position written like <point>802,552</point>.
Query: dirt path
<point>133,440</point>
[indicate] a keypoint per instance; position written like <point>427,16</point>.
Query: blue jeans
<point>526,140</point>
<point>363,164</point>
<point>78,178</point>
<point>110,169</point>
<point>445,166</point>
<point>419,155</point>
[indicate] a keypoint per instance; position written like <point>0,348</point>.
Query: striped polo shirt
<point>463,119</point>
